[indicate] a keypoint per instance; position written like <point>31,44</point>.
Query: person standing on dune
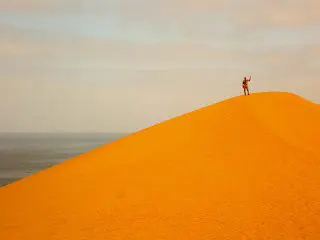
<point>245,85</point>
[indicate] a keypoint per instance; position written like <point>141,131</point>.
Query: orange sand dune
<point>245,168</point>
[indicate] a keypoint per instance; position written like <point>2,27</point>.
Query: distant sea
<point>23,154</point>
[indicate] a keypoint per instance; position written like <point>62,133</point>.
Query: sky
<point>123,65</point>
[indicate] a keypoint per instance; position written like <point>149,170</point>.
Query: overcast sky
<point>123,65</point>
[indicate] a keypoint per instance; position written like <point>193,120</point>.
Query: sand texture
<point>244,168</point>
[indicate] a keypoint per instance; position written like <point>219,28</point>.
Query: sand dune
<point>245,168</point>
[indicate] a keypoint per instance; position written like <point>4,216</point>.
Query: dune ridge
<point>243,168</point>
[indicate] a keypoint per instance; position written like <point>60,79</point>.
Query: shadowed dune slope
<point>244,168</point>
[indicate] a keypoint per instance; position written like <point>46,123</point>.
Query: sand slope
<point>245,168</point>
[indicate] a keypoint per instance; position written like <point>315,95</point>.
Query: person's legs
<point>246,91</point>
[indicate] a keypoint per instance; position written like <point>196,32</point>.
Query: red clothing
<point>245,83</point>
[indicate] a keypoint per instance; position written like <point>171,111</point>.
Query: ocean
<point>23,154</point>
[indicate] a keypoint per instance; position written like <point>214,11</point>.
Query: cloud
<point>248,13</point>
<point>36,51</point>
<point>37,5</point>
<point>126,6</point>
<point>262,14</point>
<point>103,52</point>
<point>293,13</point>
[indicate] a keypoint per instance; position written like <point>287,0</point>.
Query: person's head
<point>245,78</point>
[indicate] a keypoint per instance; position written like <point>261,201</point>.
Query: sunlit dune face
<point>246,168</point>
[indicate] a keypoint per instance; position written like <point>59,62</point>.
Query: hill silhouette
<point>244,168</point>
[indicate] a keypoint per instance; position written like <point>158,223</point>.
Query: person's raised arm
<point>249,78</point>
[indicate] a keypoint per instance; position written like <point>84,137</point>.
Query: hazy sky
<point>122,65</point>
